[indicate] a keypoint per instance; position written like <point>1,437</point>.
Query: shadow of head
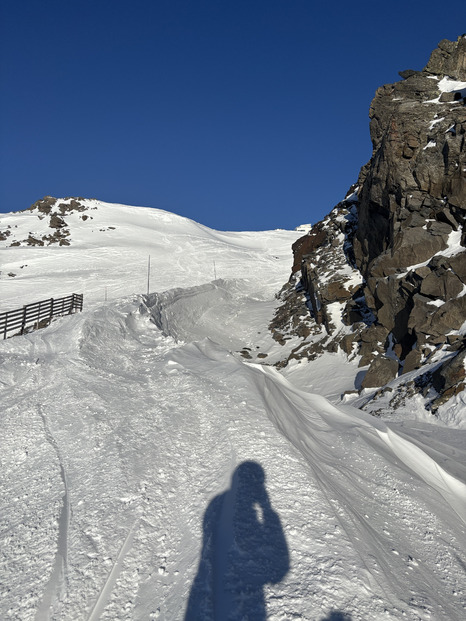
<point>249,473</point>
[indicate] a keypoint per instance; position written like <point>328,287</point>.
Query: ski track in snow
<point>149,472</point>
<point>56,587</point>
<point>153,430</point>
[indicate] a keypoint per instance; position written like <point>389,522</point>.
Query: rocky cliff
<point>384,275</point>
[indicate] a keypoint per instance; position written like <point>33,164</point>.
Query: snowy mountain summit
<point>195,446</point>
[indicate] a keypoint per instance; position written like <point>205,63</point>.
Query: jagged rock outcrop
<point>412,205</point>
<point>449,378</point>
<point>386,271</point>
<point>51,226</point>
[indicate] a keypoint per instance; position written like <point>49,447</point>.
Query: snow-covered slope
<point>108,253</point>
<point>152,469</point>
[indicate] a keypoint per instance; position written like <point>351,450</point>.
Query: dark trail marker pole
<point>148,275</point>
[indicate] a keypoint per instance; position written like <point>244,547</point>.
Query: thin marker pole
<point>148,276</point>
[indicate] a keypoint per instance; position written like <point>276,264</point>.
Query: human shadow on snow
<point>244,548</point>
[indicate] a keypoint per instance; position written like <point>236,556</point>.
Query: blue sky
<point>242,115</point>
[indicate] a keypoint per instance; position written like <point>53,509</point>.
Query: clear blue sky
<point>240,114</point>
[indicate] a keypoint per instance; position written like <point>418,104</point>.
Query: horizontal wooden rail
<point>22,318</point>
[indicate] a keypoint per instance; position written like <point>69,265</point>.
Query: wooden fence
<point>32,315</point>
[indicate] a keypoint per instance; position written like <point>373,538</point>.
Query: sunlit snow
<point>152,471</point>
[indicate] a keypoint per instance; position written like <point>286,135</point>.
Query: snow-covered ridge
<point>88,219</point>
<point>106,252</point>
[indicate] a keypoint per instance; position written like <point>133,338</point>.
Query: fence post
<point>38,315</point>
<point>23,324</point>
<point>24,320</point>
<point>6,326</point>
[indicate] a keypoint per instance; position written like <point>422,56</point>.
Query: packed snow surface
<point>154,466</point>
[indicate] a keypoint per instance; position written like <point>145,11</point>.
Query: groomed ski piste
<point>149,470</point>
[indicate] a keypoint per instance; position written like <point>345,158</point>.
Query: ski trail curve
<point>56,588</point>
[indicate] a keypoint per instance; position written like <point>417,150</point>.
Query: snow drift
<point>151,470</point>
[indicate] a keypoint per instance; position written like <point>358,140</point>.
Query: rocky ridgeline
<point>54,211</point>
<point>384,275</point>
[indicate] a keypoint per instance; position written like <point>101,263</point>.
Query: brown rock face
<point>449,379</point>
<point>305,245</point>
<point>381,371</point>
<point>391,260</point>
<point>415,180</point>
<point>449,59</point>
<point>412,202</point>
<point>326,271</point>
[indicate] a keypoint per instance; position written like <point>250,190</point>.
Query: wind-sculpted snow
<point>149,472</point>
<point>368,488</point>
<point>230,312</point>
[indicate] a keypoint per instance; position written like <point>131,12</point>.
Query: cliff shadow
<point>244,548</point>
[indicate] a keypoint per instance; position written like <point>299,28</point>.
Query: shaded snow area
<point>152,471</point>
